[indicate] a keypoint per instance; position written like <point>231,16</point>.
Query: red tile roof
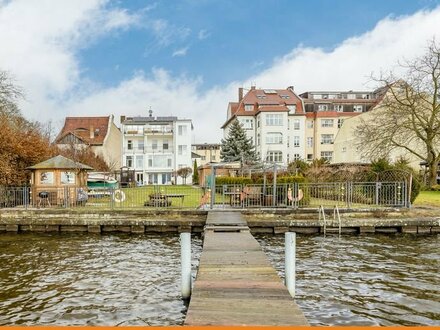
<point>81,127</point>
<point>265,100</point>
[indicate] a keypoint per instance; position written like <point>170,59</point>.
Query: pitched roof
<point>265,100</point>
<point>85,127</point>
<point>59,162</point>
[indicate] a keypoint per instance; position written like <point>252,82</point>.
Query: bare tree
<point>408,116</point>
<point>184,172</point>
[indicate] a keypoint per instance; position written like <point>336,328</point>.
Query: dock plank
<point>236,284</point>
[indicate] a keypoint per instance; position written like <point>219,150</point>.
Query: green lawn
<point>136,197</point>
<point>428,198</point>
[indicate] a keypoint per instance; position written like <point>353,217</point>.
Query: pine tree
<point>237,146</point>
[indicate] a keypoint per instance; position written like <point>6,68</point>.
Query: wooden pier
<point>235,284</point>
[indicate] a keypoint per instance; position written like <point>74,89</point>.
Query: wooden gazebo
<point>58,181</point>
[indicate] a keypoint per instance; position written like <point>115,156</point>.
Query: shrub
<point>232,180</point>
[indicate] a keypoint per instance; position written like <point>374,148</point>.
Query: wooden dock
<point>235,284</point>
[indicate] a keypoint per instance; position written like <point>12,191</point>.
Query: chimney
<point>240,94</point>
<point>252,87</point>
<point>92,132</point>
<point>290,88</point>
<point>122,119</point>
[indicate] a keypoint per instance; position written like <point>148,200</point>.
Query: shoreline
<point>275,221</point>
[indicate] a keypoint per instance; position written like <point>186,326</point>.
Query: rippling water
<point>81,279</point>
<point>364,280</point>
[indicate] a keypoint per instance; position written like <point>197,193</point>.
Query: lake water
<point>82,279</point>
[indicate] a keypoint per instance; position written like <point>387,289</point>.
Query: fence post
<point>408,198</point>
<point>376,198</point>
<point>274,185</point>
<point>185,257</point>
<point>112,200</point>
<point>25,197</point>
<point>290,261</point>
<point>212,202</point>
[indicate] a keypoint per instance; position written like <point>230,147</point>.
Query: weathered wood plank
<point>236,285</point>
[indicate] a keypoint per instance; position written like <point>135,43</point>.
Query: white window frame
<point>296,124</point>
<point>327,155</point>
<point>274,138</point>
<point>274,156</point>
<point>327,138</point>
<point>296,140</point>
<point>273,119</point>
<point>327,122</point>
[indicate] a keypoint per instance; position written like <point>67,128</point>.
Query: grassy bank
<point>428,198</point>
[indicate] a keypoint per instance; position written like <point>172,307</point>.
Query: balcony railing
<point>158,130</point>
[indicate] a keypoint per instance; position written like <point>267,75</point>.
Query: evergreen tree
<point>237,146</point>
<point>195,173</point>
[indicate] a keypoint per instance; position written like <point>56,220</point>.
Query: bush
<point>435,187</point>
<point>232,180</point>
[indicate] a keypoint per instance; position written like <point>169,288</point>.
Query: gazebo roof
<point>59,162</point>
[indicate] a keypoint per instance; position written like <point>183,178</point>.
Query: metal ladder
<point>336,215</point>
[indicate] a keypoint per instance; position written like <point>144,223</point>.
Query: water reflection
<point>364,280</point>
<point>77,279</point>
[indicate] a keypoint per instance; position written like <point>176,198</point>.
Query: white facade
<point>156,147</point>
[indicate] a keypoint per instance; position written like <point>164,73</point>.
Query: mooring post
<point>290,262</point>
<point>185,257</point>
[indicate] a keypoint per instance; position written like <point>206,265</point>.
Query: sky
<point>188,58</point>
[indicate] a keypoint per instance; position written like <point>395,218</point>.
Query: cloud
<point>180,52</point>
<point>42,53</point>
<point>203,34</point>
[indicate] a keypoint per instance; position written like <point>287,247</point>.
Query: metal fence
<point>295,195</point>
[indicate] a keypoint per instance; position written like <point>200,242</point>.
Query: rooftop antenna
<point>150,112</point>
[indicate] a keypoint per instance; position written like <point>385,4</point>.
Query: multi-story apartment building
<point>275,121</point>
<point>207,152</point>
<point>325,113</point>
<point>156,147</point>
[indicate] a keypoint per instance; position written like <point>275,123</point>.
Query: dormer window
<point>248,107</point>
<point>283,96</point>
<point>292,108</point>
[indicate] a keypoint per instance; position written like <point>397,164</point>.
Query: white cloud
<point>180,52</point>
<point>40,49</point>
<point>203,34</point>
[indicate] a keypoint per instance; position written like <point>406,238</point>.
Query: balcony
<point>151,150</point>
<point>159,130</point>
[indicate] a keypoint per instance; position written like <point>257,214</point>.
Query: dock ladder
<point>336,216</point>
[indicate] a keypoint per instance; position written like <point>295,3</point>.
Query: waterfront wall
<point>174,221</point>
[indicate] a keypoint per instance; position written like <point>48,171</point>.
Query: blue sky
<point>188,58</point>
<point>222,41</point>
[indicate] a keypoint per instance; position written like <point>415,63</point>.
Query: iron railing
<point>294,195</point>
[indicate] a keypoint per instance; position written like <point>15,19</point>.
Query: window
<point>140,161</point>
<point>296,141</point>
<point>169,162</point>
<point>274,156</point>
<point>46,178</point>
<point>140,145</point>
<point>326,122</point>
<point>296,124</point>
<point>310,142</point>
<point>327,155</point>
<point>344,149</point>
<point>165,145</point>
<point>258,139</point>
<point>248,123</point>
<point>326,138</point>
<point>351,96</point>
<point>296,157</point>
<point>182,130</point>
<point>150,161</point>
<point>309,157</point>
<point>322,107</point>
<point>274,120</point>
<point>339,108</point>
<point>292,108</point>
<point>130,145</point>
<point>182,149</point>
<point>274,138</point>
<point>129,161</point>
<point>340,122</point>
<point>67,177</point>
<point>203,158</point>
<point>357,108</point>
<point>213,157</point>
<point>310,124</point>
<point>284,96</point>
<point>154,145</point>
<point>248,107</point>
<point>158,161</point>
<point>258,122</point>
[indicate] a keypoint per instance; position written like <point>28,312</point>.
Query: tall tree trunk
<point>432,174</point>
